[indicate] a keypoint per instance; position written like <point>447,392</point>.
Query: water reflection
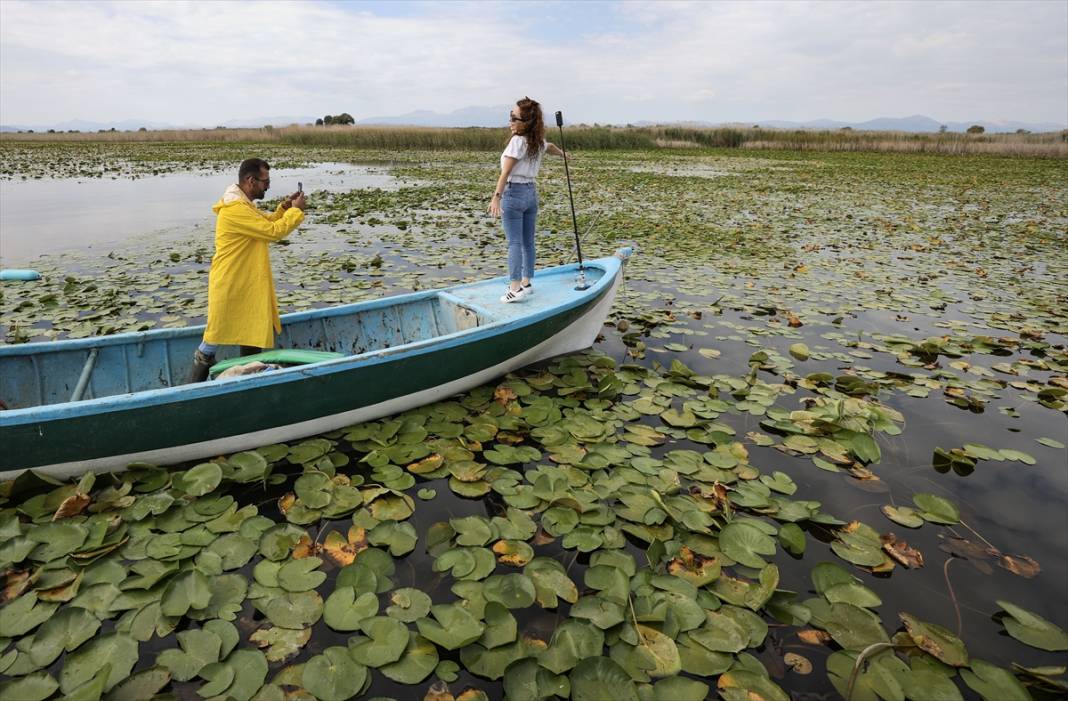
<point>49,216</point>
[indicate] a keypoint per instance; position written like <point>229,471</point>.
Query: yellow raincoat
<point>242,307</point>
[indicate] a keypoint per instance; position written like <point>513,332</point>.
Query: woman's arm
<point>494,207</point>
<point>553,149</point>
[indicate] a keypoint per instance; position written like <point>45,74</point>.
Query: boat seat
<point>282,356</point>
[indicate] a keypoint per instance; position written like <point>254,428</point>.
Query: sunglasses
<point>513,118</point>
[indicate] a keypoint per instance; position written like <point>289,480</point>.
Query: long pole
<point>574,220</point>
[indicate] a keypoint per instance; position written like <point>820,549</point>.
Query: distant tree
<point>847,129</point>
<point>319,122</point>
<point>976,129</point>
<point>112,129</point>
<point>51,131</point>
<point>142,129</point>
<point>756,126</point>
<point>328,119</point>
<point>344,118</point>
<point>1023,131</point>
<point>943,129</point>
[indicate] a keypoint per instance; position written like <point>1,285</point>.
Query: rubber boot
<point>201,365</point>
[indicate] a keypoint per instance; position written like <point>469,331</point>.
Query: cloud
<point>198,62</point>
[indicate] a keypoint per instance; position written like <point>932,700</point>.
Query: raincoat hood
<point>232,196</point>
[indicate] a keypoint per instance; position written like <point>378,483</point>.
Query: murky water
<point>49,216</point>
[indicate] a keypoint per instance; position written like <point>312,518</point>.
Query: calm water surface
<point>50,216</point>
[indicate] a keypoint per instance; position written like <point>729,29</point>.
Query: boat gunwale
<point>102,405</point>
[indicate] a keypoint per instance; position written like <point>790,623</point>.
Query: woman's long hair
<point>533,126</point>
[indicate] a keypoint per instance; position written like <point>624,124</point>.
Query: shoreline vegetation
<point>1044,145</point>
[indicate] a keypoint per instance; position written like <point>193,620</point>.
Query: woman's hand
<point>494,207</point>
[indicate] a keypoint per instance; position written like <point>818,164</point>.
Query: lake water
<point>54,215</point>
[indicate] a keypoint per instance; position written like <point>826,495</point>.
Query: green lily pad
<point>386,641</point>
<point>573,641</point>
<point>419,659</point>
<point>451,627</point>
<point>407,604</point>
<point>344,610</point>
<point>903,515</point>
<point>199,649</point>
<point>514,591</point>
<point>745,543</point>
<point>143,685</point>
<point>994,683</point>
<point>1032,629</point>
<point>937,509</point>
<point>199,480</point>
<point>37,686</point>
<point>598,678</point>
<point>301,575</point>
<point>525,680</point>
<point>293,609</point>
<point>63,632</point>
<point>118,651</point>
<point>334,675</point>
<point>936,640</point>
<point>281,643</point>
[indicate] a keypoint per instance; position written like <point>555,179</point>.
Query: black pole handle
<point>570,196</point>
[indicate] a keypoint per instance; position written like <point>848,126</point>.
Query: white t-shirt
<point>527,168</point>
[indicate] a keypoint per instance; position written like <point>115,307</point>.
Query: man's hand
<point>297,200</point>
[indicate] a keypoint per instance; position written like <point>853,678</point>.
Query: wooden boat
<point>101,403</point>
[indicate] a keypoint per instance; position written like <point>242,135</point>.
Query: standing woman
<point>515,199</point>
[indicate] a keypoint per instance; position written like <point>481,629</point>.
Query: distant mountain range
<point>496,116</point>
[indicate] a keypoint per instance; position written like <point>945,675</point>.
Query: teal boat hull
<point>401,352</point>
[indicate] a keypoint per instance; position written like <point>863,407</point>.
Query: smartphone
<point>300,186</point>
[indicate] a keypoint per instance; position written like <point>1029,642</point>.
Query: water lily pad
<point>199,480</point>
<point>118,651</point>
<point>524,680</point>
<point>334,675</point>
<point>936,640</point>
<point>143,685</point>
<point>187,590</point>
<point>419,659</point>
<point>37,686</point>
<point>386,641</point>
<point>593,677</point>
<point>281,643</point>
<point>65,631</point>
<point>937,509</point>
<point>514,591</point>
<point>903,515</point>
<point>293,609</point>
<point>199,649</point>
<point>994,683</point>
<point>1032,629</point>
<point>407,604</point>
<point>301,575</point>
<point>345,610</point>
<point>745,543</point>
<point>451,627</point>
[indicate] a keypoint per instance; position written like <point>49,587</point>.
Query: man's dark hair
<point>251,166</point>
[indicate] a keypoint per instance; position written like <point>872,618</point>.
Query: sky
<point>204,63</point>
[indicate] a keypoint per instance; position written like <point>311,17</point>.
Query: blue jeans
<point>519,213</point>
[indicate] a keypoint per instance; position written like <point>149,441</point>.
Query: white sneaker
<point>528,290</point>
<point>513,295</point>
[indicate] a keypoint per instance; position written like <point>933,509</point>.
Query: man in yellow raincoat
<point>242,307</point>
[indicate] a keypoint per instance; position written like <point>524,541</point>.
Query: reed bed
<point>1050,145</point>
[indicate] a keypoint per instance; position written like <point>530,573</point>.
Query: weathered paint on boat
<point>404,352</point>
